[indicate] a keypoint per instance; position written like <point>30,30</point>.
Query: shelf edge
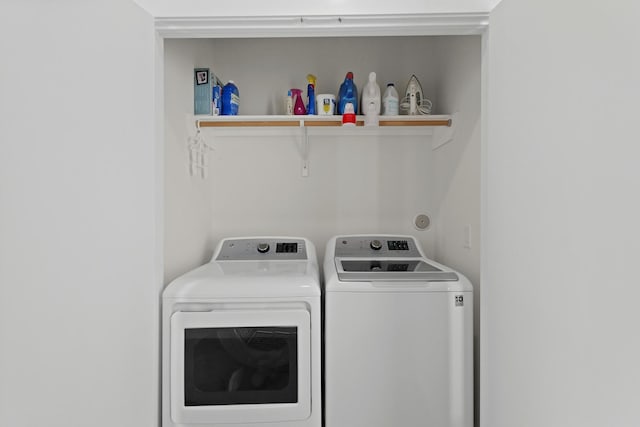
<point>315,121</point>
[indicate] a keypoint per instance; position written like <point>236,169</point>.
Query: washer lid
<point>389,270</point>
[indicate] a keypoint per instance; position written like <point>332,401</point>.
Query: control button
<point>376,245</point>
<point>263,247</point>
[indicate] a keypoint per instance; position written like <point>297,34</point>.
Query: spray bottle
<point>311,94</point>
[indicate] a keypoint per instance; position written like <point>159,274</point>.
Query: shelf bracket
<point>304,142</point>
<point>444,134</point>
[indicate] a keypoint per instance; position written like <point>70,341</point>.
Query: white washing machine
<point>241,338</point>
<point>398,336</point>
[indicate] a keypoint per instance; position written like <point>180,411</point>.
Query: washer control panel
<point>376,247</point>
<point>259,249</point>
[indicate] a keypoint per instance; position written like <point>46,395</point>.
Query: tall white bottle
<point>390,101</point>
<point>371,101</point>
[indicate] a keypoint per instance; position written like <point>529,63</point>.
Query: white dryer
<point>398,336</point>
<point>241,338</point>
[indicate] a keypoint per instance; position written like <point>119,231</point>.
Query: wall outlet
<point>467,236</point>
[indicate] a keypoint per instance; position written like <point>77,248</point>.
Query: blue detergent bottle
<point>230,99</point>
<point>348,94</point>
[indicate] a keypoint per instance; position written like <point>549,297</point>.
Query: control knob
<point>376,245</point>
<point>263,247</point>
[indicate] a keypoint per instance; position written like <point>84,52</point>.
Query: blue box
<point>204,82</point>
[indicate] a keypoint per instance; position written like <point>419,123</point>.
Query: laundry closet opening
<point>358,181</point>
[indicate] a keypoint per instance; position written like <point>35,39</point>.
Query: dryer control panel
<point>260,249</point>
<point>376,247</point>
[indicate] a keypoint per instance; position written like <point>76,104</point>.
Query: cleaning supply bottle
<point>349,116</point>
<point>298,103</point>
<point>348,93</point>
<point>288,105</point>
<point>371,101</point>
<point>311,94</point>
<point>230,99</point>
<point>390,101</point>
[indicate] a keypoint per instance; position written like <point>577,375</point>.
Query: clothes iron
<point>414,101</point>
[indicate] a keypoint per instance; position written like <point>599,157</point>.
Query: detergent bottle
<point>390,101</point>
<point>311,94</point>
<point>349,116</point>
<point>348,93</point>
<point>230,99</point>
<point>371,101</point>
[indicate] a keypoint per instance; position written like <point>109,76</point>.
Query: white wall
<point>78,261</point>
<point>202,8</point>
<point>560,277</point>
<point>457,164</point>
<point>187,201</point>
<point>457,167</point>
<point>363,184</point>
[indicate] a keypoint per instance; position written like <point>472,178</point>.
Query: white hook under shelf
<point>198,148</point>
<point>305,149</point>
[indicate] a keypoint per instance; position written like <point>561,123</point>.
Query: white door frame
<point>437,24</point>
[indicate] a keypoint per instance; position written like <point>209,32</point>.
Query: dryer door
<point>240,366</point>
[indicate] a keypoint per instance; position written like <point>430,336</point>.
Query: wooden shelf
<point>439,129</point>
<point>314,121</point>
